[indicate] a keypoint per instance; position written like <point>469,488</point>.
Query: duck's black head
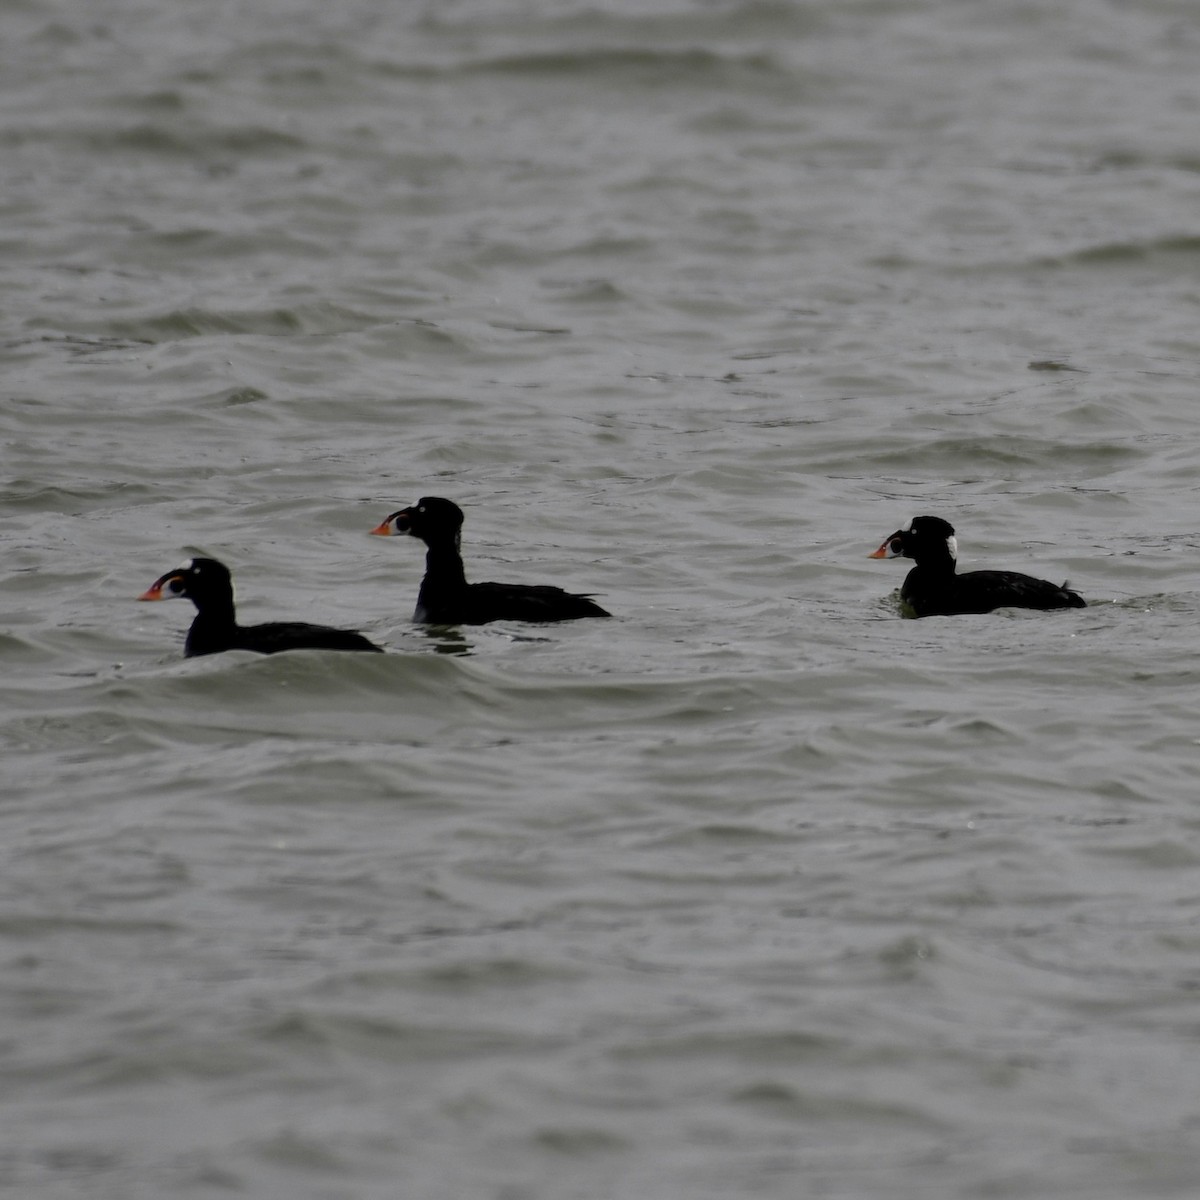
<point>203,581</point>
<point>431,519</point>
<point>924,539</point>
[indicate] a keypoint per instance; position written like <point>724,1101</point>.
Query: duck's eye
<point>421,509</point>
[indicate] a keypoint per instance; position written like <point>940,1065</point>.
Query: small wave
<point>183,323</point>
<point>652,68</point>
<point>1174,251</point>
<point>194,140</point>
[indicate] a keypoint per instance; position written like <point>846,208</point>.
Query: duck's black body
<point>446,598</point>
<point>208,585</point>
<point>933,588</point>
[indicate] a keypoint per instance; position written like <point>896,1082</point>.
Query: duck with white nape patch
<point>933,588</point>
<point>209,586</point>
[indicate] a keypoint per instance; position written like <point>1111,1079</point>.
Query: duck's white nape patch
<point>952,547</point>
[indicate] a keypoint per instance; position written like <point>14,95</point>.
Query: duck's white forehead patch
<point>907,526</point>
<point>952,546</point>
<point>186,565</point>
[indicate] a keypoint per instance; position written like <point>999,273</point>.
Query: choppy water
<point>757,890</point>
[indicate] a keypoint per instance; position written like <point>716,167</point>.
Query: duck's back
<point>983,592</point>
<point>480,603</point>
<point>531,602</point>
<point>276,636</point>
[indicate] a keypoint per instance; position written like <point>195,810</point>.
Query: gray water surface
<point>757,889</point>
